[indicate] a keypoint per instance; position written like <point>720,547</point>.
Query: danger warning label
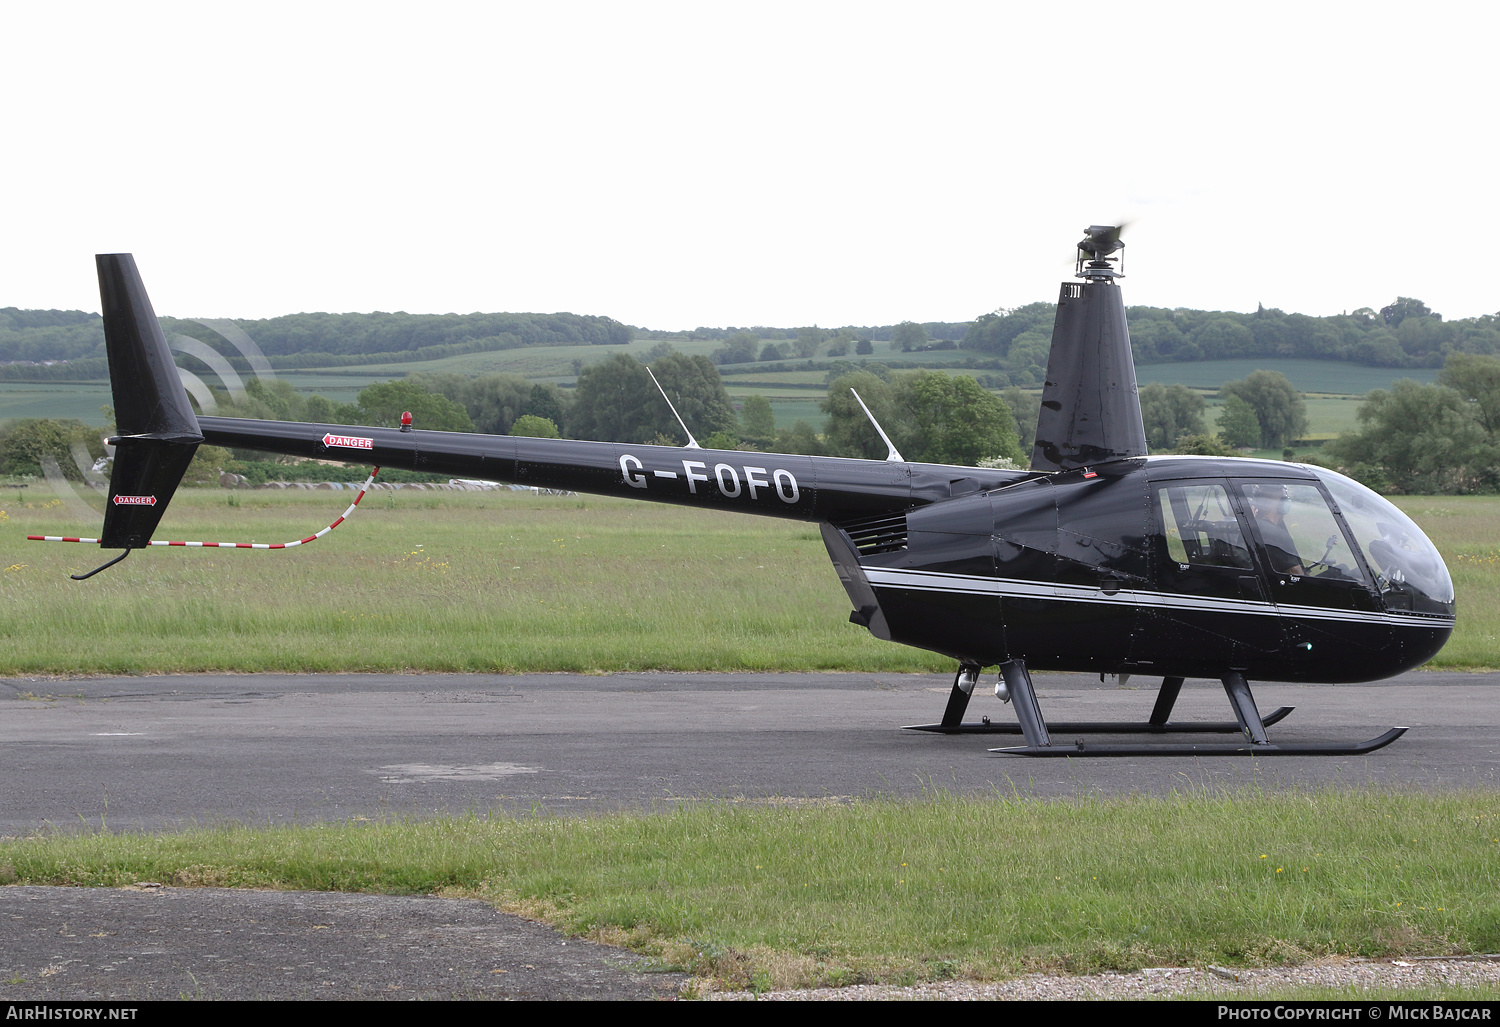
<point>348,441</point>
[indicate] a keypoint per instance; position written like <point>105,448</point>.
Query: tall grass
<point>1464,528</point>
<point>499,582</point>
<point>445,582</point>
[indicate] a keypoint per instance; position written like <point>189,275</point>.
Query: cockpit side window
<point>1299,532</point>
<point>1200,527</point>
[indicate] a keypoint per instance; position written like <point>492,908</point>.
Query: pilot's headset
<point>1269,497</point>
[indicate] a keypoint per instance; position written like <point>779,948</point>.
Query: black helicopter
<point>1098,559</point>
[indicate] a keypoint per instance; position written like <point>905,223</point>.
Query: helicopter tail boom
<point>792,486</point>
<point>159,434</point>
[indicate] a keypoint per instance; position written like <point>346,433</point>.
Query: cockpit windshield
<point>1409,572</point>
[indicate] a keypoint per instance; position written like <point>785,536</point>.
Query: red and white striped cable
<point>236,545</point>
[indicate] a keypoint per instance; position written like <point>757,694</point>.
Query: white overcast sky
<point>683,164</point>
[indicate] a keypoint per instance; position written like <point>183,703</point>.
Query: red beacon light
<point>406,420</point>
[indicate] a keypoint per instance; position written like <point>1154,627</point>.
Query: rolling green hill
<point>794,393</point>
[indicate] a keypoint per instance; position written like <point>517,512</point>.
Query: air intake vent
<point>878,534</point>
<point>1071,290</point>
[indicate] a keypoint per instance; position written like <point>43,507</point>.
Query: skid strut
<point>1165,700</point>
<point>1110,727</point>
<point>958,700</point>
<point>1033,726</point>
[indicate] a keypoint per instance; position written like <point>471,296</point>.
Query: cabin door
<point>1210,594</point>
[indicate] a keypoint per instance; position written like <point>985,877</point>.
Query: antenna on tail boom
<point>692,443</point>
<point>894,455</point>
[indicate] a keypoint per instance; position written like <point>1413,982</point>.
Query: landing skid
<point>1241,749</point>
<point>1108,727</point>
<point>1035,729</point>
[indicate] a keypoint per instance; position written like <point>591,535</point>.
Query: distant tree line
<point>1404,334</point>
<point>933,416</point>
<point>745,345</point>
<point>399,332</point>
<point>318,340</point>
<point>1263,410</point>
<point>1426,439</point>
<point>1014,343</point>
<point>1442,438</point>
<point>952,330</point>
<point>930,416</point>
<point>38,335</point>
<point>26,442</point>
<point>1436,439</point>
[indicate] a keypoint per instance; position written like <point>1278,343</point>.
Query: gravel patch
<point>1164,982</point>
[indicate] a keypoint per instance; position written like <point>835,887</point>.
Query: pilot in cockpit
<point>1270,504</point>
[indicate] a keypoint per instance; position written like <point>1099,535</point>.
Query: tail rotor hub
<point>1101,254</point>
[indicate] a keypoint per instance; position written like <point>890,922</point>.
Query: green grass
<point>1464,530</point>
<point>553,362</point>
<point>451,582</point>
<point>528,361</point>
<point>340,388</point>
<point>753,378</point>
<point>1334,377</point>
<point>787,408</point>
<point>55,399</point>
<point>503,582</point>
<point>798,894</point>
<point>1323,380</point>
<point>1327,418</point>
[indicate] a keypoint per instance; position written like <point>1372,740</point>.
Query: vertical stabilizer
<point>1091,413</point>
<point>158,432</point>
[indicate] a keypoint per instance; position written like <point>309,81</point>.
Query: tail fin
<point>158,432</point>
<point>1091,412</point>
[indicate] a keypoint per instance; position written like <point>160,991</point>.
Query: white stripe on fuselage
<point>971,584</point>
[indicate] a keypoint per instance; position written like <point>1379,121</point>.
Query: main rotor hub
<point>1101,254</point>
